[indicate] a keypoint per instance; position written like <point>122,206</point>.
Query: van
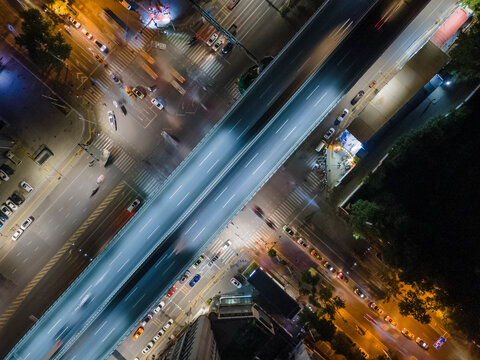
<point>43,155</point>
<point>126,5</point>
<point>320,146</point>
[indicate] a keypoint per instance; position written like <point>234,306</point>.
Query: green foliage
<point>412,305</point>
<point>325,293</point>
<point>427,190</point>
<point>362,213</point>
<point>308,278</point>
<point>272,253</point>
<point>303,291</point>
<point>465,63</point>
<point>45,47</point>
<point>324,329</point>
<point>342,344</point>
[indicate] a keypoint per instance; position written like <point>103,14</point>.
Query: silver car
<point>329,133</point>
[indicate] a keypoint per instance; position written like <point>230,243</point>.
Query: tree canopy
<point>426,192</point>
<point>45,47</point>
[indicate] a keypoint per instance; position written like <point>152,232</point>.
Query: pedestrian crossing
<point>232,90</point>
<point>200,55</point>
<point>144,181</point>
<point>226,255</point>
<point>120,158</point>
<point>123,59</point>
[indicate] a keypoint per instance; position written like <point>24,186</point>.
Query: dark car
<point>194,280</point>
<point>212,260</point>
<point>357,97</point>
<point>3,217</point>
<point>124,110</point>
<point>7,169</point>
<point>329,267</point>
<point>16,199</point>
<point>198,261</point>
<point>227,48</point>
<point>257,211</point>
<point>185,277</point>
<point>288,230</point>
<point>270,223</point>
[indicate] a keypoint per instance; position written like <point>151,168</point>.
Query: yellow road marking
<point>14,305</point>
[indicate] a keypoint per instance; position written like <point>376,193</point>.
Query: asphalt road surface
<point>259,160</point>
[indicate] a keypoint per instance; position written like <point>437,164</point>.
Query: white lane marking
<point>231,197</point>
<point>190,228</point>
<point>59,210</point>
<point>290,133</point>
<point>308,97</point>
<point>234,126</point>
<point>241,134</point>
<point>300,68</point>
<point>49,331</point>
<point>67,215</point>
<point>131,293</point>
<point>318,101</point>
<point>140,298</point>
<point>29,242</point>
<point>273,98</point>
<point>35,250</point>
<point>109,333</point>
<point>86,291</point>
<point>125,263</point>
<point>266,90</point>
<point>183,198</point>
<point>26,357</point>
<point>281,127</point>
<point>259,166</point>
<point>25,260</point>
<point>153,232</point>
<point>143,227</point>
<point>175,192</point>
<point>70,198</point>
<point>100,328</point>
<point>206,157</point>
<point>211,167</point>
<point>19,253</point>
<point>253,158</point>
<point>116,257</point>
<point>341,27</point>
<point>196,237</point>
<point>221,193</point>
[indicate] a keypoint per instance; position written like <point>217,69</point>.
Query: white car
<point>6,210</point>
<point>236,283</point>
<point>87,34</point>
<point>329,133</point>
<point>3,175</point>
<point>212,39</point>
<point>112,119</point>
<point>226,245</point>
<point>17,234</point>
<point>133,205</point>
<point>11,205</point>
<point>76,24</point>
<point>158,103</point>
<point>27,223</point>
<point>217,45</point>
<point>147,348</point>
<point>340,117</point>
<point>159,307</point>
<point>158,336</point>
<point>167,325</point>
<point>26,186</point>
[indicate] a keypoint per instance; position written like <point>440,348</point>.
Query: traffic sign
<point>438,344</point>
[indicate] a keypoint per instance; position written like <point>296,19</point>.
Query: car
<point>137,333</point>
<point>115,78</point>
<point>258,211</point>
<point>171,291</point>
<point>372,84</point>
<point>185,276</point>
<point>17,234</point>
<point>138,93</point>
<point>359,293</point>
<point>341,117</point>
<point>315,254</point>
<point>227,48</point>
<point>146,319</point>
<point>357,97</point>
<point>112,119</point>
<point>329,267</point>
<point>76,24</point>
<point>5,209</point>
<point>147,348</point>
<point>364,353</point>
<point>159,307</point>
<point>213,259</point>
<point>270,223</point>
<point>102,47</point>
<point>408,334</point>
<point>11,205</point>
<point>302,242</point>
<point>129,92</point>
<point>195,279</point>
<point>375,308</point>
<point>26,186</point>
<point>3,175</point>
<point>288,230</point>
<point>159,335</point>
<point>389,320</point>
<point>421,343</point>
<point>87,34</point>
<point>329,133</point>
<point>232,4</point>
<point>212,39</point>
<point>217,45</point>
<point>3,217</point>
<point>100,59</point>
<point>167,325</point>
<point>320,146</point>
<point>236,283</point>
<point>226,245</point>
<point>158,103</point>
<point>27,223</point>
<point>198,261</point>
<point>17,199</point>
<point>342,276</point>
<point>7,169</point>
<point>133,205</point>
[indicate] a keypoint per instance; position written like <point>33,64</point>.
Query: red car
<point>342,276</point>
<point>171,291</point>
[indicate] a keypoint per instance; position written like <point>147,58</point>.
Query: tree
<point>412,305</point>
<point>323,328</point>
<point>363,213</point>
<point>46,48</point>
<point>272,253</point>
<point>325,293</point>
<point>309,278</point>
